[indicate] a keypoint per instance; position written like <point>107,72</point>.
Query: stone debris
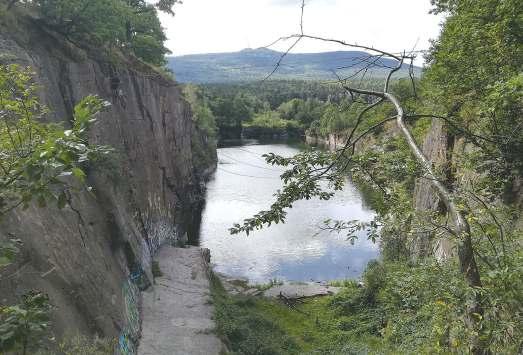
<point>235,286</point>
<point>289,290</point>
<point>301,290</point>
<point>177,310</point>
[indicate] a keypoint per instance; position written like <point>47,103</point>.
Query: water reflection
<point>243,185</point>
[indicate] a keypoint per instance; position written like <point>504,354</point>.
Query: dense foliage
<point>475,74</point>
<point>396,309</point>
<point>277,108</point>
<point>248,330</point>
<point>472,89</point>
<point>22,326</point>
<point>271,125</point>
<point>204,137</point>
<point>130,25</point>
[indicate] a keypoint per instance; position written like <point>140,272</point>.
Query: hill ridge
<point>251,64</point>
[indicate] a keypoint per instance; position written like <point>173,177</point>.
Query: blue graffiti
<point>129,337</point>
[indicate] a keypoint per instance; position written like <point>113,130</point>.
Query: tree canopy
<point>130,25</point>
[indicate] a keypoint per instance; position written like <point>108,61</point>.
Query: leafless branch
<point>460,227</point>
<point>282,57</point>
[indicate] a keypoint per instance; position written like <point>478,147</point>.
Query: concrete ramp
<point>177,312</point>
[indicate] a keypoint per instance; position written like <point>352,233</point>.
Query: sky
<point>213,26</point>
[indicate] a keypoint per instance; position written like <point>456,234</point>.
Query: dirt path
<point>177,312</point>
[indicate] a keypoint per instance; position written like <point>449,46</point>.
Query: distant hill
<point>255,64</point>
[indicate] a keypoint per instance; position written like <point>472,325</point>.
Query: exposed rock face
<point>331,142</point>
<point>438,149</point>
<point>83,255</point>
<point>426,200</point>
<point>445,152</point>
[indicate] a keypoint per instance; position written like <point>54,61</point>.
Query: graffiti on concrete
<point>160,229</point>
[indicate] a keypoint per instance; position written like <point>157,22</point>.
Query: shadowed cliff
<point>91,256</point>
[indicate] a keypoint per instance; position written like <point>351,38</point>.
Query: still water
<point>243,185</point>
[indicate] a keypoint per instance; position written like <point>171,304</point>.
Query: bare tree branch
<point>461,227</point>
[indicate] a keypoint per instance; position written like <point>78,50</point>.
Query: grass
<point>399,309</point>
<point>343,283</point>
<point>82,345</point>
<point>245,328</point>
<point>255,325</point>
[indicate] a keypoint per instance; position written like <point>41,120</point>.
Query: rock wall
<point>438,149</point>
<point>331,142</point>
<point>91,256</point>
<point>445,151</point>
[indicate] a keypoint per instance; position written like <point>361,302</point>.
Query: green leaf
<point>4,261</point>
<point>79,174</point>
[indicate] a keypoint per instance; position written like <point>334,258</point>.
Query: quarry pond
<point>298,250</point>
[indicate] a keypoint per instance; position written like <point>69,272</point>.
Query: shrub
<point>23,325</point>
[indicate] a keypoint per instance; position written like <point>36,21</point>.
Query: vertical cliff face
<point>90,256</point>
<point>445,152</point>
<point>437,148</point>
<point>331,142</point>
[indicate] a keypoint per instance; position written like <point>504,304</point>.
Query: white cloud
<point>297,3</point>
<point>203,26</point>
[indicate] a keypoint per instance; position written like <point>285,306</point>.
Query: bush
<point>128,25</point>
<point>23,325</point>
<point>246,329</point>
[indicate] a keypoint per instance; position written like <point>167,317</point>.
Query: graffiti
<point>140,279</point>
<point>131,332</point>
<point>160,232</point>
<point>160,229</point>
<point>125,347</point>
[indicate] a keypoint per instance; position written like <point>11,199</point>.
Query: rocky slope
<point>92,256</point>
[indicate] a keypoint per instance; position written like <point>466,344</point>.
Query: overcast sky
<point>208,26</point>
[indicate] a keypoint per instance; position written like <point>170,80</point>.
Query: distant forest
<point>278,108</point>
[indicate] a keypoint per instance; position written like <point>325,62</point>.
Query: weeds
<point>245,328</point>
<point>82,345</point>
